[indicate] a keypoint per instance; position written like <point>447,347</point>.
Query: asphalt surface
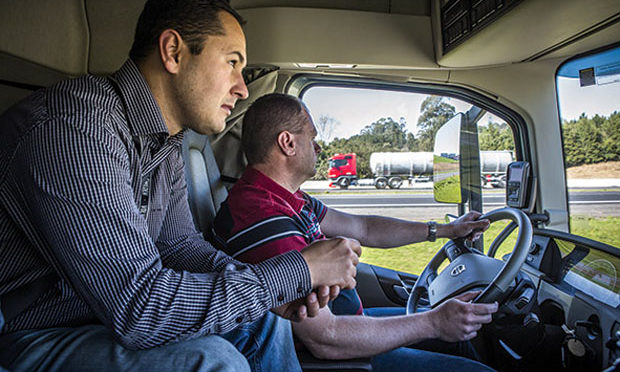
<point>416,201</point>
<point>425,199</point>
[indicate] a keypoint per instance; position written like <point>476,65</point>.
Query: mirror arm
<point>531,203</point>
<point>474,114</point>
<point>461,209</point>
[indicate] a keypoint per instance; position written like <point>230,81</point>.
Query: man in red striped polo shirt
<point>266,214</point>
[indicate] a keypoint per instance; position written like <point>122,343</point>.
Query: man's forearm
<point>387,232</point>
<point>344,337</point>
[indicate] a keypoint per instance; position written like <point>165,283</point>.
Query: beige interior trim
<point>590,42</point>
<point>113,24</point>
<point>287,36</point>
<point>52,33</point>
<point>417,7</point>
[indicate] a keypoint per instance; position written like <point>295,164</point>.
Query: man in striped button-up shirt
<point>100,259</point>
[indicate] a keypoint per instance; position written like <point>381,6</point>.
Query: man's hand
<point>332,265</point>
<point>458,319</point>
<point>467,226</point>
<point>309,306</point>
<point>332,262</point>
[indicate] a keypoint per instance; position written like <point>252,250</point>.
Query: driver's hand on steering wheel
<point>467,226</point>
<point>458,319</point>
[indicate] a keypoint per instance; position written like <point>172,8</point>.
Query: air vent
<point>460,19</point>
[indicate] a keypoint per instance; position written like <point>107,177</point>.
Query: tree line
<point>586,140</point>
<point>591,140</point>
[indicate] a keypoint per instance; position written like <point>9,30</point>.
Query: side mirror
<point>447,162</point>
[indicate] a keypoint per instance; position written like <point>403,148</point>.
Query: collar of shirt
<point>257,178</point>
<point>143,112</point>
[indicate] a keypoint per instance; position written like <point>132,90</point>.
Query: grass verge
<point>413,258</point>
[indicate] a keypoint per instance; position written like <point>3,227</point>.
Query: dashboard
<point>579,291</point>
<point>573,267</point>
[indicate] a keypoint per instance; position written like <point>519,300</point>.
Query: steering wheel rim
<point>500,281</point>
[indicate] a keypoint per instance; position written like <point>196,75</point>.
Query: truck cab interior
<point>499,56</point>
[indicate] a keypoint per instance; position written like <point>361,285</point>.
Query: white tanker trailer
<point>493,165</point>
<point>391,169</point>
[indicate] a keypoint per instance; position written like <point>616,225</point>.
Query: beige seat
<point>205,189</point>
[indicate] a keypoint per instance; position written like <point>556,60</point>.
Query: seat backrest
<point>205,189</point>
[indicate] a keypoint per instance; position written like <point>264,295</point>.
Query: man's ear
<point>170,47</point>
<point>286,143</point>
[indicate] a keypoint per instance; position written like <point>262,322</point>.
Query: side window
<point>588,89</point>
<point>377,158</point>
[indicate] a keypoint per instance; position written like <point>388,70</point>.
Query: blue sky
<point>356,108</point>
<point>595,99</point>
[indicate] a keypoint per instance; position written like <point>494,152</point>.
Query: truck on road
<point>391,169</point>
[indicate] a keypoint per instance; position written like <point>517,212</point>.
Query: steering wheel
<point>471,269</point>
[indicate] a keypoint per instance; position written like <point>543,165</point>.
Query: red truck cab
<point>342,170</point>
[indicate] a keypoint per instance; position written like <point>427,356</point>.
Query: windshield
<point>391,132</point>
<point>337,163</point>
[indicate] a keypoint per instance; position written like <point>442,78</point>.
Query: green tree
<point>387,133</point>
<point>595,140</point>
<point>496,136</point>
<point>383,135</point>
<point>583,140</point>
<point>412,142</point>
<point>611,137</point>
<point>434,113</point>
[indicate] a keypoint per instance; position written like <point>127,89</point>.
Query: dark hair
<point>194,20</point>
<point>265,119</point>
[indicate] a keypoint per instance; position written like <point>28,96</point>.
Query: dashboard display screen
<point>515,174</point>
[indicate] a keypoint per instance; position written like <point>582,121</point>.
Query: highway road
<point>425,199</point>
<point>591,202</point>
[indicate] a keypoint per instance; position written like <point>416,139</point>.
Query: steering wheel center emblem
<point>457,270</point>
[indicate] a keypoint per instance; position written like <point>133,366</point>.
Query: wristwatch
<point>432,231</point>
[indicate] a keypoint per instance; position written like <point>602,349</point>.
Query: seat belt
<point>19,299</point>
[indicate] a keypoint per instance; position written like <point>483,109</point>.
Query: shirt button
<point>300,289</point>
<point>239,319</point>
<point>280,297</point>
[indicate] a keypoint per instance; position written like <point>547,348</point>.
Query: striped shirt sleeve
<point>317,206</point>
<point>76,186</point>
